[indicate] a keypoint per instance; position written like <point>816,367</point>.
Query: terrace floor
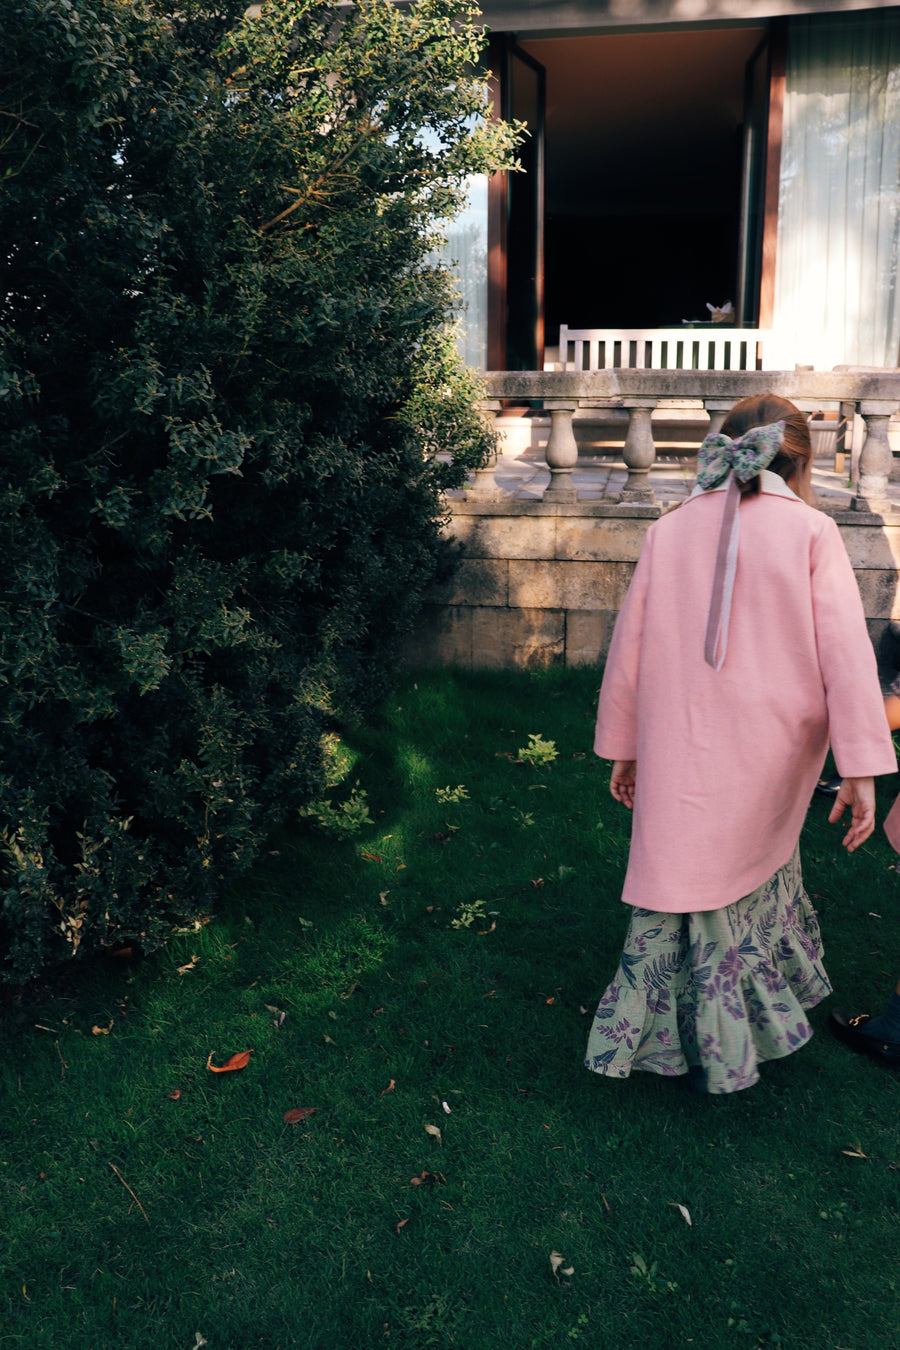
<point>602,477</point>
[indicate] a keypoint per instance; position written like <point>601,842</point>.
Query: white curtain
<point>836,300</point>
<point>466,253</point>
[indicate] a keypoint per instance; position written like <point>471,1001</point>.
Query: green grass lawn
<point>424,988</point>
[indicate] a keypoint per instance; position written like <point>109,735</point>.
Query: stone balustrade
<point>541,576</point>
<point>874,394</point>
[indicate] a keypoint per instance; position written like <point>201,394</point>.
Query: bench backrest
<point>713,348</point>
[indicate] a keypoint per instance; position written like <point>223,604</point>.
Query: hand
<point>859,795</point>
<point>621,783</point>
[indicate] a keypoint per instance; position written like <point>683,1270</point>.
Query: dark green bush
<point>227,396</point>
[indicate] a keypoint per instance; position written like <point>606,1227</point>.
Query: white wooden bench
<point>713,348</point>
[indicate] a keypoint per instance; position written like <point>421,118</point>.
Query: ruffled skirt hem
<point>722,990</point>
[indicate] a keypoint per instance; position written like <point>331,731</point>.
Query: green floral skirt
<point>724,989</point>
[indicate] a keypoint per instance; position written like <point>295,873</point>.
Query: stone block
<point>442,637</point>
<point>879,591</point>
<point>507,639</point>
<point>872,546</point>
<point>568,585</point>
<point>475,581</point>
<point>588,635</point>
<point>605,539</point>
<point>505,536</point>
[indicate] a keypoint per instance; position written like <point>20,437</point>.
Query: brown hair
<point>760,411</point>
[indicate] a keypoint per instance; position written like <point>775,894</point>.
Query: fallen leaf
<point>426,1177</point>
<point>183,970</point>
<point>390,1087</point>
<point>483,932</point>
<point>175,1095</point>
<point>298,1113</point>
<point>372,857</point>
<point>433,1130</point>
<point>446,1108</point>
<point>683,1211</point>
<point>238,1061</point>
<point>402,1224</point>
<point>854,1152</point>
<point>556,1265</point>
<point>328,1040</point>
<point>103,1031</point>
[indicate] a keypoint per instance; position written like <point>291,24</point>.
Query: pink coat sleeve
<point>860,737</point>
<point>615,735</point>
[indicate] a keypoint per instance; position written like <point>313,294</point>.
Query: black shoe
<point>849,1029</point>
<point>829,787</point>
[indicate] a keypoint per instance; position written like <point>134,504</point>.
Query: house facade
<point>684,154</point>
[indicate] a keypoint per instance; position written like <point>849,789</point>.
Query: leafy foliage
<point>228,404</point>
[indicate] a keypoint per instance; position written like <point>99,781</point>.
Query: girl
<point>741,647</point>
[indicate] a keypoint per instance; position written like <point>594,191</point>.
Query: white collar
<point>771,483</point>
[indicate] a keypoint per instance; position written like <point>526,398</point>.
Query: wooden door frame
<point>501,46</point>
<point>498,196</point>
<point>777,69</point>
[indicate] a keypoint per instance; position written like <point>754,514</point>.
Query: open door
<point>516,217</point>
<point>764,114</point>
<point>753,187</point>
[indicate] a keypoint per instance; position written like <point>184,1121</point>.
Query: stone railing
<point>873,394</point>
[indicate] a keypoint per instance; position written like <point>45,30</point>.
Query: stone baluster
<point>484,484</point>
<point>561,452</point>
<point>639,452</point>
<point>875,459</point>
<point>718,409</point>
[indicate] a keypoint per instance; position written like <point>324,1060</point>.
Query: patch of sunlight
<point>327,970</point>
<point>416,768</point>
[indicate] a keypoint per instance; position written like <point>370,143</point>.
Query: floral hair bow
<point>742,458</point>
<point>746,455</point>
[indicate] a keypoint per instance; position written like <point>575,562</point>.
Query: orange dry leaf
<point>390,1087</point>
<point>238,1061</point>
<point>298,1113</point>
<point>175,1095</point>
<point>428,1178</point>
<point>402,1224</point>
<point>102,1031</point>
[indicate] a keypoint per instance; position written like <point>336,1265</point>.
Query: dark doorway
<point>644,185</point>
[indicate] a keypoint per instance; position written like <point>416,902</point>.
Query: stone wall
<point>541,583</point>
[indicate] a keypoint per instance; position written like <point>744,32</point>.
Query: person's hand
<point>621,783</point>
<point>859,795</point>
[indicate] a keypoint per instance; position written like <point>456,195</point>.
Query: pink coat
<point>727,760</point>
